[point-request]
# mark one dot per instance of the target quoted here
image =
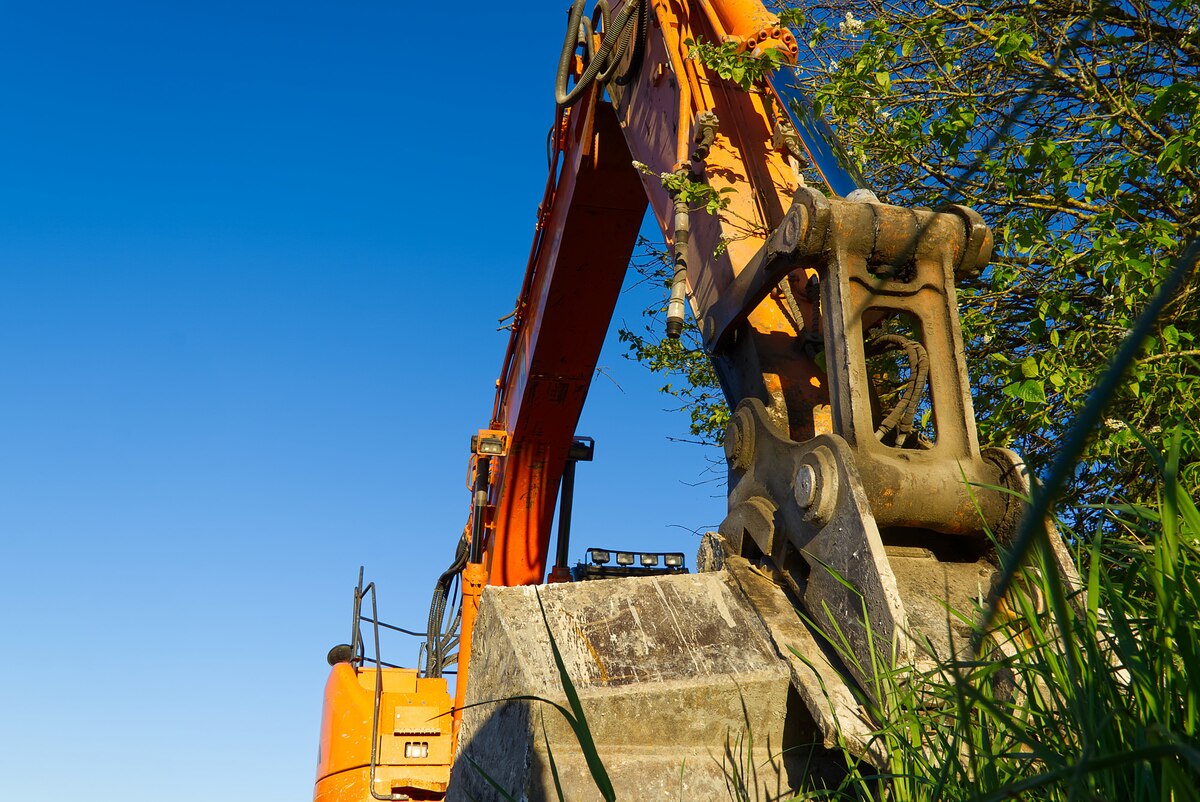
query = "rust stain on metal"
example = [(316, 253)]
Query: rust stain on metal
[(595, 654), (535, 471)]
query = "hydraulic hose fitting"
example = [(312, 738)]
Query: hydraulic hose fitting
[(677, 304), (704, 133)]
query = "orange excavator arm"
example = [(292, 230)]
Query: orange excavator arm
[(585, 236), (673, 117)]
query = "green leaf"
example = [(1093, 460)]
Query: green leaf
[(1030, 390), (1029, 367)]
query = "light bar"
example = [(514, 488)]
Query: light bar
[(628, 564)]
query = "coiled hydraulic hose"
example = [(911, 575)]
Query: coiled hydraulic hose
[(603, 61), (899, 423), (639, 45), (436, 643)]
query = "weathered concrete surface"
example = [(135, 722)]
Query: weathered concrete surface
[(679, 677)]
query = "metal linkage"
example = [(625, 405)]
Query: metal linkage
[(877, 532)]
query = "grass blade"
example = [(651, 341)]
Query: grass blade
[(578, 720)]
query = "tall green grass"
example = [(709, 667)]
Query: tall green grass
[(1094, 698)]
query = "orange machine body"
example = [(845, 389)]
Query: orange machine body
[(414, 748)]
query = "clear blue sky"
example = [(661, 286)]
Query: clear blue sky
[(251, 259)]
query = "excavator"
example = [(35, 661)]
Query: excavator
[(856, 482)]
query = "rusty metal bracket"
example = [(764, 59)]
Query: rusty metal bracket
[(879, 541), (704, 132), (803, 505)]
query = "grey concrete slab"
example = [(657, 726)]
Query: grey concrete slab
[(683, 685)]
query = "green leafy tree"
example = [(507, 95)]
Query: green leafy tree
[(692, 382), (1071, 126)]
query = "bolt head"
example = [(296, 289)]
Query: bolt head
[(804, 486), (739, 441)]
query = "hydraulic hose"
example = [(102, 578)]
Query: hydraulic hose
[(639, 45), (626, 31), (603, 62), (437, 612), (900, 419)]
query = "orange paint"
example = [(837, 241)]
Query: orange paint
[(474, 577), (415, 749)]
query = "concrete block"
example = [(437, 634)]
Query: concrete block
[(678, 676)]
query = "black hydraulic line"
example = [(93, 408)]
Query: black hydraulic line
[(614, 61), (602, 62), (900, 419), (789, 297), (479, 502), (639, 46), (601, 16), (434, 639)]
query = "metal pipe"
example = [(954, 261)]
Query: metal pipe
[(479, 507), (677, 305), (714, 20), (564, 517)]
